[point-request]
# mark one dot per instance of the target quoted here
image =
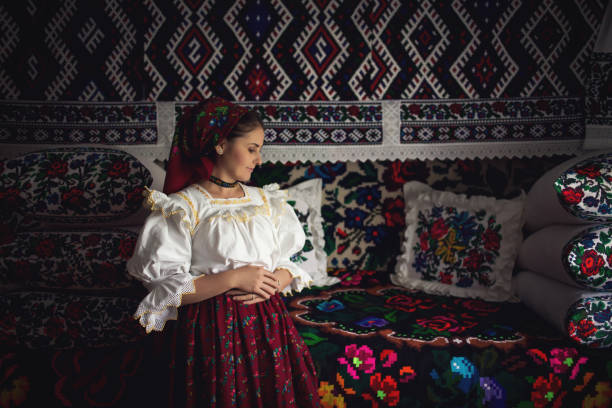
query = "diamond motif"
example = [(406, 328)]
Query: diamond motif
[(547, 34), (546, 79), (194, 50), (486, 13), (309, 50), (258, 19), (425, 37), (258, 80), (483, 69), (321, 49), (257, 30)]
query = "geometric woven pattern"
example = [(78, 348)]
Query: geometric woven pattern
[(288, 50), (357, 123), (313, 50), (71, 50), (320, 130), (491, 120), (77, 122)]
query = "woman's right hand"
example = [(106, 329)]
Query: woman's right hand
[(255, 279)]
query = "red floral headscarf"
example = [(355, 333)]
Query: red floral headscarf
[(199, 130)]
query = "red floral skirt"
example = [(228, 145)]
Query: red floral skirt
[(222, 353)]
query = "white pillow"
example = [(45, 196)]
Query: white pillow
[(459, 245), (305, 198)]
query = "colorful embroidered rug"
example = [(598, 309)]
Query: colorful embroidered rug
[(379, 345)]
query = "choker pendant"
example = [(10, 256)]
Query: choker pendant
[(222, 183)]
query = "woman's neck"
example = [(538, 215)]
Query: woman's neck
[(217, 191)]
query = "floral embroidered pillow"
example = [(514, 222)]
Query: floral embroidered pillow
[(79, 186), (577, 255), (585, 189), (305, 198), (588, 258), (458, 245), (589, 321)]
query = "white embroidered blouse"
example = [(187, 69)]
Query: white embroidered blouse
[(190, 233)]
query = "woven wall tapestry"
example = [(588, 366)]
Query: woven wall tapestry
[(295, 50), (405, 79)]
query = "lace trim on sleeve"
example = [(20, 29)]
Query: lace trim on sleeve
[(158, 201), (155, 319), (297, 284)]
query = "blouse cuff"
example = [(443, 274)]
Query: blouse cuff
[(163, 300), (301, 279)]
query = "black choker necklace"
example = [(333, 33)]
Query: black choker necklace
[(222, 183)]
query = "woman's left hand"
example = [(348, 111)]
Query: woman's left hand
[(247, 298)]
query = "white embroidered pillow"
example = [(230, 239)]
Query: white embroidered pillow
[(458, 245), (305, 198)]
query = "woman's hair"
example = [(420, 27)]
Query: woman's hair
[(248, 122)]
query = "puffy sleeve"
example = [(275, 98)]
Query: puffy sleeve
[(291, 237), (162, 258)]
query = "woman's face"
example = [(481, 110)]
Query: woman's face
[(241, 155)]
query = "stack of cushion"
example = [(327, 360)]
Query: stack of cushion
[(62, 266), (566, 262)]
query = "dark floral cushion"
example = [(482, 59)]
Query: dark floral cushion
[(41, 320), (588, 258), (68, 259), (74, 185), (589, 321), (585, 189)]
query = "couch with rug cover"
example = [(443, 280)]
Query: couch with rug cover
[(71, 216)]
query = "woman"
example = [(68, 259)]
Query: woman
[(214, 254)]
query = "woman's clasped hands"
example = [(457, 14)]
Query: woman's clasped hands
[(253, 284)]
